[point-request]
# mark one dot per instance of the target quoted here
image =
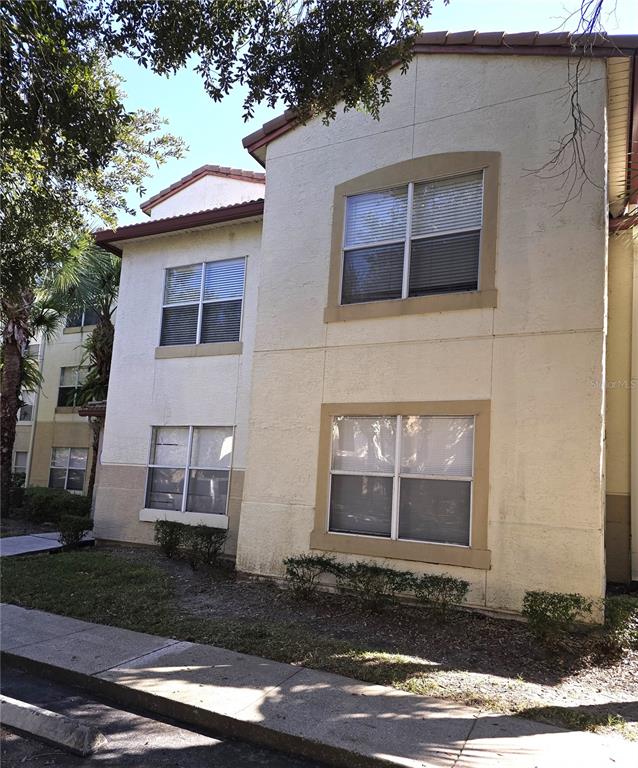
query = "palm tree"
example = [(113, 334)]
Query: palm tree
[(92, 281), (24, 315)]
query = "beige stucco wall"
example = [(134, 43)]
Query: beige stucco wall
[(208, 192), (623, 251), (536, 357), (145, 391), (55, 427)]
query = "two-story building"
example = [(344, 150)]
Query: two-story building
[(419, 348)]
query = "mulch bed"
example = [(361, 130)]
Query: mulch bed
[(496, 658)]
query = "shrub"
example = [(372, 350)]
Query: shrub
[(303, 573), (202, 544), (49, 504), (372, 586), (551, 614), (621, 623), (439, 592), (169, 536), (73, 528)]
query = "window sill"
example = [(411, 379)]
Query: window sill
[(370, 546), (79, 329), (440, 302), (66, 409), (199, 350), (189, 518)]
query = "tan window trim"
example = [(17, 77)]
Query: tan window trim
[(199, 350), (475, 556), (419, 169), (79, 329), (67, 409)]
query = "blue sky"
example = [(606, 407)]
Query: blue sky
[(213, 132)]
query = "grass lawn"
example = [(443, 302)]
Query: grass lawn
[(493, 663)]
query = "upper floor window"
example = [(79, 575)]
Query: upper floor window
[(189, 469), (81, 318), (26, 411), (71, 379), (203, 303), (417, 239)]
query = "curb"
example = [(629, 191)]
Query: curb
[(211, 723), (62, 731)]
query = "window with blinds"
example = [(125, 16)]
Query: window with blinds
[(419, 239), (189, 469), (203, 303), (402, 477)]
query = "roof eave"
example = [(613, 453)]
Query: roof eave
[(227, 215)]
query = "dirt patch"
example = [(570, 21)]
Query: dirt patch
[(469, 656)]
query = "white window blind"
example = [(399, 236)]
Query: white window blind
[(68, 468), (422, 238), (203, 303), (403, 477), (189, 469)]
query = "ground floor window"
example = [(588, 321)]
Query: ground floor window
[(189, 469), (20, 466), (68, 468), (402, 477)]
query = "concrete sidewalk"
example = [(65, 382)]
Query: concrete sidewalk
[(314, 714), (32, 543)]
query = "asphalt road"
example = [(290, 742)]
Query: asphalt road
[(133, 741)]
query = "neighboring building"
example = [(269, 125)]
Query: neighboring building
[(52, 445), (430, 363)]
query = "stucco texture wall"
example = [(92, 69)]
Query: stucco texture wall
[(146, 392), (623, 250), (537, 356), (57, 427)]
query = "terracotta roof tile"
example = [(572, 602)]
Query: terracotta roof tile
[(198, 173), (224, 214)]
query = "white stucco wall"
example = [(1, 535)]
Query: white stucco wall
[(539, 356), (208, 192), (146, 392)]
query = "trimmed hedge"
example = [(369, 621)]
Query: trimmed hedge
[(73, 528), (373, 587), (44, 505), (198, 544), (550, 615)]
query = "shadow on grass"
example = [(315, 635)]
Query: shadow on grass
[(621, 716)]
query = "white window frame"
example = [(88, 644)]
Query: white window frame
[(201, 301), (26, 462), (407, 242), (82, 321), (397, 475), (32, 404), (77, 384), (69, 467), (150, 513)]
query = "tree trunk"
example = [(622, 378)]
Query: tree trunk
[(96, 427), (9, 414)]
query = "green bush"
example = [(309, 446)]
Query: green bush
[(373, 586), (169, 536), (304, 571), (73, 528), (202, 544), (551, 614), (621, 623), (439, 592), (43, 505)]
